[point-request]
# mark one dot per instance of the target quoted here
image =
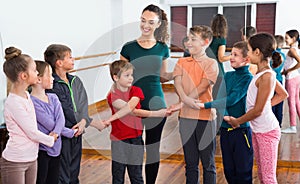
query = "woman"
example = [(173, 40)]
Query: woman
[(148, 54)]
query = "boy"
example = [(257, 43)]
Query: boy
[(73, 98), (247, 32), (127, 145), (185, 50), (236, 144), (194, 78), (277, 68)]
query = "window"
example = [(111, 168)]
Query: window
[(178, 27), (236, 20), (203, 16), (235, 14), (265, 21)]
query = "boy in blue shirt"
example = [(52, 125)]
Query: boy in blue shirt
[(236, 144)]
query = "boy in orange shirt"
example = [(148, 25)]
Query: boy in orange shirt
[(194, 78)]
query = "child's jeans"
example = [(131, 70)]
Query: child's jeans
[(128, 153), (199, 142)]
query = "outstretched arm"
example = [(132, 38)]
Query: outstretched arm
[(124, 108), (264, 85)]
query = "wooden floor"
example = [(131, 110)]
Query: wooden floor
[(96, 154), (95, 169)]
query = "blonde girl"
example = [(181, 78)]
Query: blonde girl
[(19, 158)]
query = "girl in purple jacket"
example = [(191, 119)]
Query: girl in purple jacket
[(50, 118)]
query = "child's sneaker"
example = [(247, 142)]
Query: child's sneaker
[(289, 130)]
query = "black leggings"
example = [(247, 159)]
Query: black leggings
[(153, 130)]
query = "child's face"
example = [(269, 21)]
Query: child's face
[(32, 73), (47, 79), (253, 57), (149, 22), (237, 59), (196, 44), (288, 40), (125, 80), (68, 62)]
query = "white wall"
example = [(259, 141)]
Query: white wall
[(87, 27), (90, 27), (287, 16)]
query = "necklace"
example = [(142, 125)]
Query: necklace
[(143, 40)]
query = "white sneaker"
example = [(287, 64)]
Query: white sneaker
[(289, 130)]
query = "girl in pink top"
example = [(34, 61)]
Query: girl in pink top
[(19, 158), (260, 99)]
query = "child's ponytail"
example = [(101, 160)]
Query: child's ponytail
[(276, 58)]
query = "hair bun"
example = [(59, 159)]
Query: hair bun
[(12, 52)]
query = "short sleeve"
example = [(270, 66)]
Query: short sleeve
[(222, 41), (137, 92), (125, 51), (166, 52), (113, 96), (211, 70), (178, 69)]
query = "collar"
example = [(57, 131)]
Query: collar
[(57, 78), (242, 69)]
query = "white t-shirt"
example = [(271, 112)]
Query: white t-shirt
[(267, 120)]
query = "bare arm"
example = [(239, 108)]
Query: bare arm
[(221, 54), (201, 88), (280, 94), (184, 97), (164, 75), (146, 113), (123, 58), (293, 53), (124, 108), (264, 85)]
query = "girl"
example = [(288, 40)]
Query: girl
[(292, 76), (50, 118), (218, 44), (259, 102), (217, 51), (19, 158), (148, 54)]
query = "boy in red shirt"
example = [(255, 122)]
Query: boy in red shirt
[(127, 145)]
